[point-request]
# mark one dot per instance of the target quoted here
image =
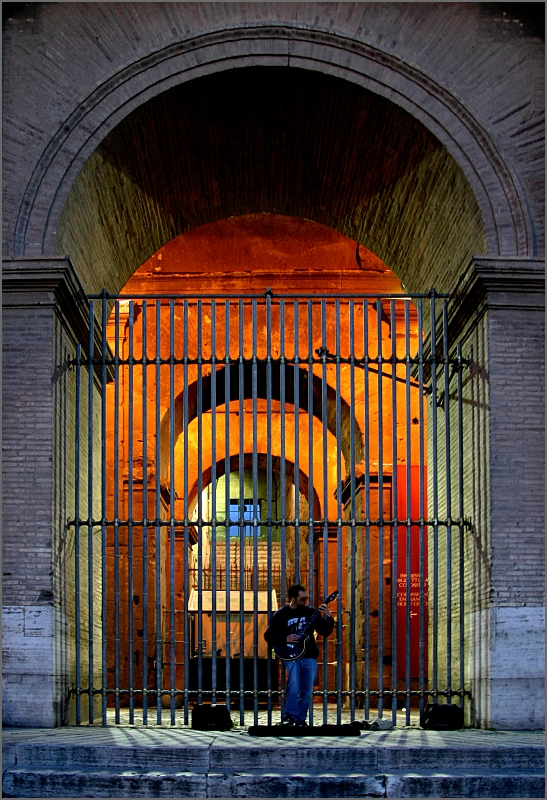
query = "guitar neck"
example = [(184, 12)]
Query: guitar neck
[(310, 624), (312, 619)]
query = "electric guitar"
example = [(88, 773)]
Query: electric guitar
[(292, 652)]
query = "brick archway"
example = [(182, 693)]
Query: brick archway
[(262, 465), (507, 222), (345, 411)]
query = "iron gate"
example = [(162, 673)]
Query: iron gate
[(226, 447)]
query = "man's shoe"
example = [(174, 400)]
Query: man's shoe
[(302, 724), (287, 720)]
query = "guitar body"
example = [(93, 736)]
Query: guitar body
[(292, 652)]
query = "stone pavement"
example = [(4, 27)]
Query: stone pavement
[(127, 761)]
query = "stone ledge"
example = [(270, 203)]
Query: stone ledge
[(21, 782), (275, 784), (45, 281), (496, 282), (97, 783), (52, 282), (184, 749), (465, 784)]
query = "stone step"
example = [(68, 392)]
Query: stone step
[(143, 758), (396, 784), (227, 753), (32, 782)]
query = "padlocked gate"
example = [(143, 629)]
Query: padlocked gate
[(229, 446)]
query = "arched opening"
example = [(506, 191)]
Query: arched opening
[(275, 140), (295, 308), (296, 432)]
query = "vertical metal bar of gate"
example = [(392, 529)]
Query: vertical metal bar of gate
[(296, 478), (213, 508), (460, 521), (200, 494), (130, 510), (433, 321), (366, 395), (395, 515), (311, 588), (186, 509), (353, 530), (241, 506), (380, 617), (227, 514), (145, 515), (103, 509), (90, 614), (325, 493), (77, 609), (283, 479), (422, 507), (339, 514), (269, 483), (448, 492), (408, 571), (157, 559), (117, 510), (256, 513), (172, 513)]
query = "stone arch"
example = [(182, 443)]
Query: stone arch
[(262, 462), (507, 221), (206, 402)]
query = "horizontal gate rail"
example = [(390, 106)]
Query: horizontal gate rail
[(228, 446), (196, 298)]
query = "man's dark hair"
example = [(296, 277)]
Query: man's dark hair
[(295, 590)]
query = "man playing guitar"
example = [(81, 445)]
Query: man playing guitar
[(283, 630)]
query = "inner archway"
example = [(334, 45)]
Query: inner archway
[(243, 334)]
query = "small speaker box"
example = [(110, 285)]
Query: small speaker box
[(208, 717), (442, 717)]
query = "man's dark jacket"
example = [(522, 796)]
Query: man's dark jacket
[(293, 620)]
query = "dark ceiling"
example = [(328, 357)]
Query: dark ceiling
[(283, 141)]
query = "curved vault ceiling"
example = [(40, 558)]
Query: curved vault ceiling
[(256, 251), (277, 140)]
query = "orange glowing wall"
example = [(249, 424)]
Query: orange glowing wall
[(237, 256)]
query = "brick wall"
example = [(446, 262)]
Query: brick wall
[(516, 367), (27, 456), (39, 479)]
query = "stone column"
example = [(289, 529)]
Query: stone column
[(499, 314), (44, 315)]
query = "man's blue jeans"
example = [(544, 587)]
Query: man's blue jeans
[(301, 675)]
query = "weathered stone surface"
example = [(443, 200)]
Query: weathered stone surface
[(184, 758), (33, 782), (229, 754), (458, 750), (96, 783), (275, 784), (461, 758), (128, 762), (486, 784)]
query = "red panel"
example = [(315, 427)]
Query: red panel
[(414, 573)]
